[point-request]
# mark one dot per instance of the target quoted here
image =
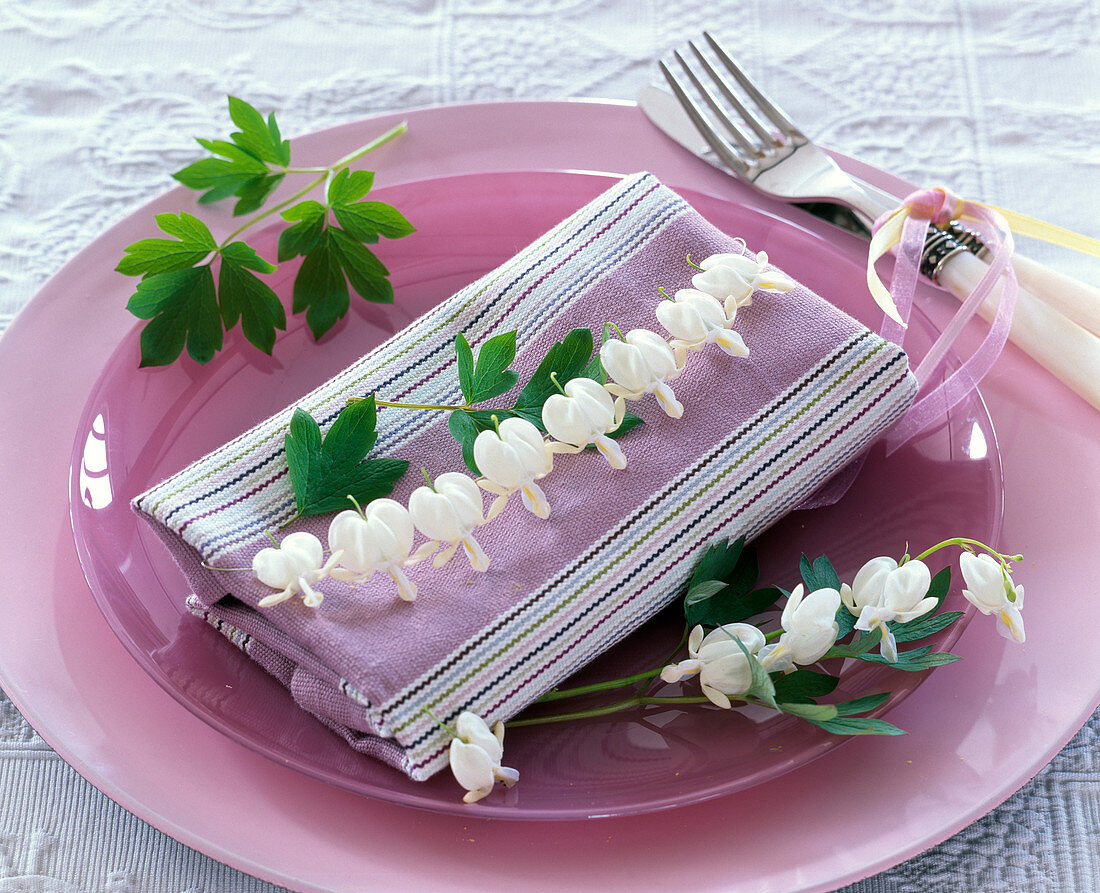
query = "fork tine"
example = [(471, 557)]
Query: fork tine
[(721, 148), (775, 114), (723, 118), (766, 137)]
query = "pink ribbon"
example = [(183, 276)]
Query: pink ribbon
[(939, 206)]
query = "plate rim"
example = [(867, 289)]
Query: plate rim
[(828, 876)]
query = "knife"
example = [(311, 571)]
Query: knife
[(1057, 317)]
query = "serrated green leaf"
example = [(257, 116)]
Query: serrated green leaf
[(818, 575), (182, 311), (566, 359), (301, 238), (803, 685), (730, 606), (320, 288), (245, 255), (192, 243), (366, 273), (845, 621), (258, 137), (243, 296), (325, 471), (490, 376), (253, 194), (862, 645), (349, 186), (924, 627), (718, 560), (464, 430), (220, 177), (939, 587)]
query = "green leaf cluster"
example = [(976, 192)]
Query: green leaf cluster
[(178, 297), (489, 376), (335, 255), (177, 293), (326, 471), (722, 590), (249, 165)]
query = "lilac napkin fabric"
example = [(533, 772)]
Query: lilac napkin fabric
[(758, 435)]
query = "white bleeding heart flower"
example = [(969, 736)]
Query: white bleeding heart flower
[(584, 414), (448, 512), (722, 666), (378, 540), (295, 566), (732, 279), (513, 457), (642, 363), (991, 591), (809, 630), (475, 756), (696, 319), (883, 592)]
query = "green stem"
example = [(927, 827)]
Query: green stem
[(558, 694), (961, 541), (325, 173), (617, 707)]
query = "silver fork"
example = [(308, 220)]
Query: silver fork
[(765, 149), (1056, 316)]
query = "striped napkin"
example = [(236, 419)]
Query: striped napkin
[(758, 436)]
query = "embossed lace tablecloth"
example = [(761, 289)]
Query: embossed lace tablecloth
[(99, 99)]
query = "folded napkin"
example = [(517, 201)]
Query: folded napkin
[(758, 435)]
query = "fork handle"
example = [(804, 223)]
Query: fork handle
[(1065, 349), (1071, 297)]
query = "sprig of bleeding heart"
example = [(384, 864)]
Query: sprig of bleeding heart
[(177, 293), (824, 623), (568, 405)]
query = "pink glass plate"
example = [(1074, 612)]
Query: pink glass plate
[(142, 425), (977, 730)]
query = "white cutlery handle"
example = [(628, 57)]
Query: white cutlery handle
[(1071, 297), (1065, 349)]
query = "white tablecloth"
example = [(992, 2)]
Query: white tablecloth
[(99, 100)]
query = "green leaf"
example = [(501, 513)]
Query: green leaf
[(366, 274), (762, 686), (324, 472), (243, 296), (191, 245), (914, 660), (464, 430), (258, 137), (857, 725), (380, 218), (845, 621), (182, 310), (220, 177), (320, 288), (718, 560), (924, 627), (802, 685), (567, 359), (303, 235), (703, 590), (862, 645), (349, 186), (818, 575), (489, 376), (629, 423), (938, 588), (862, 705), (810, 711), (254, 193), (465, 361)]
